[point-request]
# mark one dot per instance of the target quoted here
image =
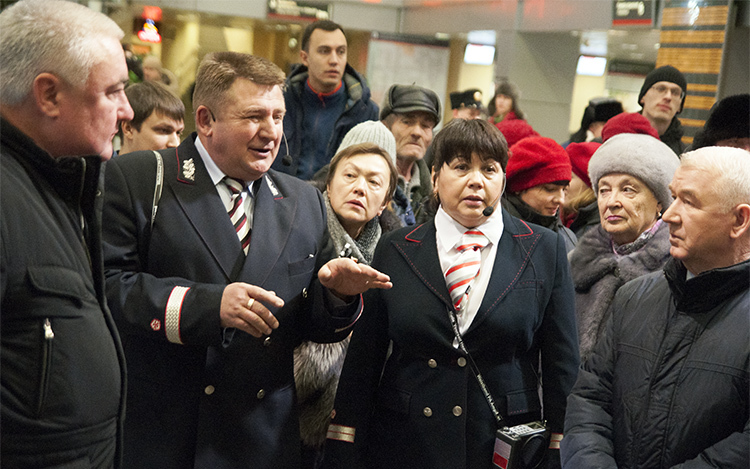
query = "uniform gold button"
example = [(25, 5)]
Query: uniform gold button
[(461, 362), (267, 342), (261, 394), (209, 390), (431, 363), (304, 293), (457, 411), (427, 412)]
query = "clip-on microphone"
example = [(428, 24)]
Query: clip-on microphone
[(490, 209), (286, 160)]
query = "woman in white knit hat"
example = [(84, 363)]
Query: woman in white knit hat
[(630, 175), (359, 184)]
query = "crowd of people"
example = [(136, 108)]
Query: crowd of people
[(311, 280)]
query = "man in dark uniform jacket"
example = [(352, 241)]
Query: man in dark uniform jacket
[(62, 370), (210, 323)]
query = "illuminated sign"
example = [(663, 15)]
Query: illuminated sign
[(149, 32), (632, 13)]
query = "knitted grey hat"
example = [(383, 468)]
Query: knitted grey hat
[(642, 156), (371, 132)]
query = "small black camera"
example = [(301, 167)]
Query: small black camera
[(521, 447)]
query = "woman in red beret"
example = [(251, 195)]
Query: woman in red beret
[(538, 174)]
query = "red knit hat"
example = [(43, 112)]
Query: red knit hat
[(534, 161), (628, 123), (514, 130), (580, 154)]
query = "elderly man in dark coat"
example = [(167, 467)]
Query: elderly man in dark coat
[(667, 386)]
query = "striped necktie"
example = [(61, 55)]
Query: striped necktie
[(236, 211), (462, 273)]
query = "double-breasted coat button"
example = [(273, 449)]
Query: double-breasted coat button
[(261, 394), (457, 411), (461, 362), (267, 342), (431, 363), (427, 412), (304, 293), (209, 390)]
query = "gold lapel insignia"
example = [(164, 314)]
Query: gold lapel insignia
[(188, 169)]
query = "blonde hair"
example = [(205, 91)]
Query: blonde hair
[(574, 204), (53, 36)]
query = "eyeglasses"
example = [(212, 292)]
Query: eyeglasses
[(674, 91)]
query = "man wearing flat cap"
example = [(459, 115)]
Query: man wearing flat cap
[(662, 97), (411, 113), (467, 104)]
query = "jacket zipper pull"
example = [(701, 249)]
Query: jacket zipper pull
[(48, 333)]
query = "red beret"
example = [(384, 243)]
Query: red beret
[(515, 129), (534, 161), (628, 123), (580, 154)]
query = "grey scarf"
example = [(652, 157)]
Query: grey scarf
[(363, 247)]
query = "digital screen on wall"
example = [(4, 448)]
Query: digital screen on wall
[(479, 54), (591, 66)]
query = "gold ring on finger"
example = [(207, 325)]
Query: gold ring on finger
[(250, 303)]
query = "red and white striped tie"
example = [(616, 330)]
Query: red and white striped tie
[(460, 276), (236, 211)]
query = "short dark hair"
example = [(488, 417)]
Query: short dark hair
[(364, 149), (149, 97), (218, 71), (461, 138), (325, 25)]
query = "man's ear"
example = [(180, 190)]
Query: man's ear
[(127, 129), (204, 120), (303, 56), (741, 222), (46, 89)]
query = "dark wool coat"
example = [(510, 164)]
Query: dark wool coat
[(668, 384), (420, 406), (62, 367), (598, 273), (204, 397)]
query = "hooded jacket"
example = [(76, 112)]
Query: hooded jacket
[(668, 384), (359, 108)]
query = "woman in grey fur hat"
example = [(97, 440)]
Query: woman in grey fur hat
[(358, 187), (630, 174)]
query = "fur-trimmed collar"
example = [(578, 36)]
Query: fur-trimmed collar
[(593, 258)]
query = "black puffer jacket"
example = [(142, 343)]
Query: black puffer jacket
[(667, 386), (62, 370)]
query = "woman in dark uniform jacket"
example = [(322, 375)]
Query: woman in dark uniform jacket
[(418, 405)]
